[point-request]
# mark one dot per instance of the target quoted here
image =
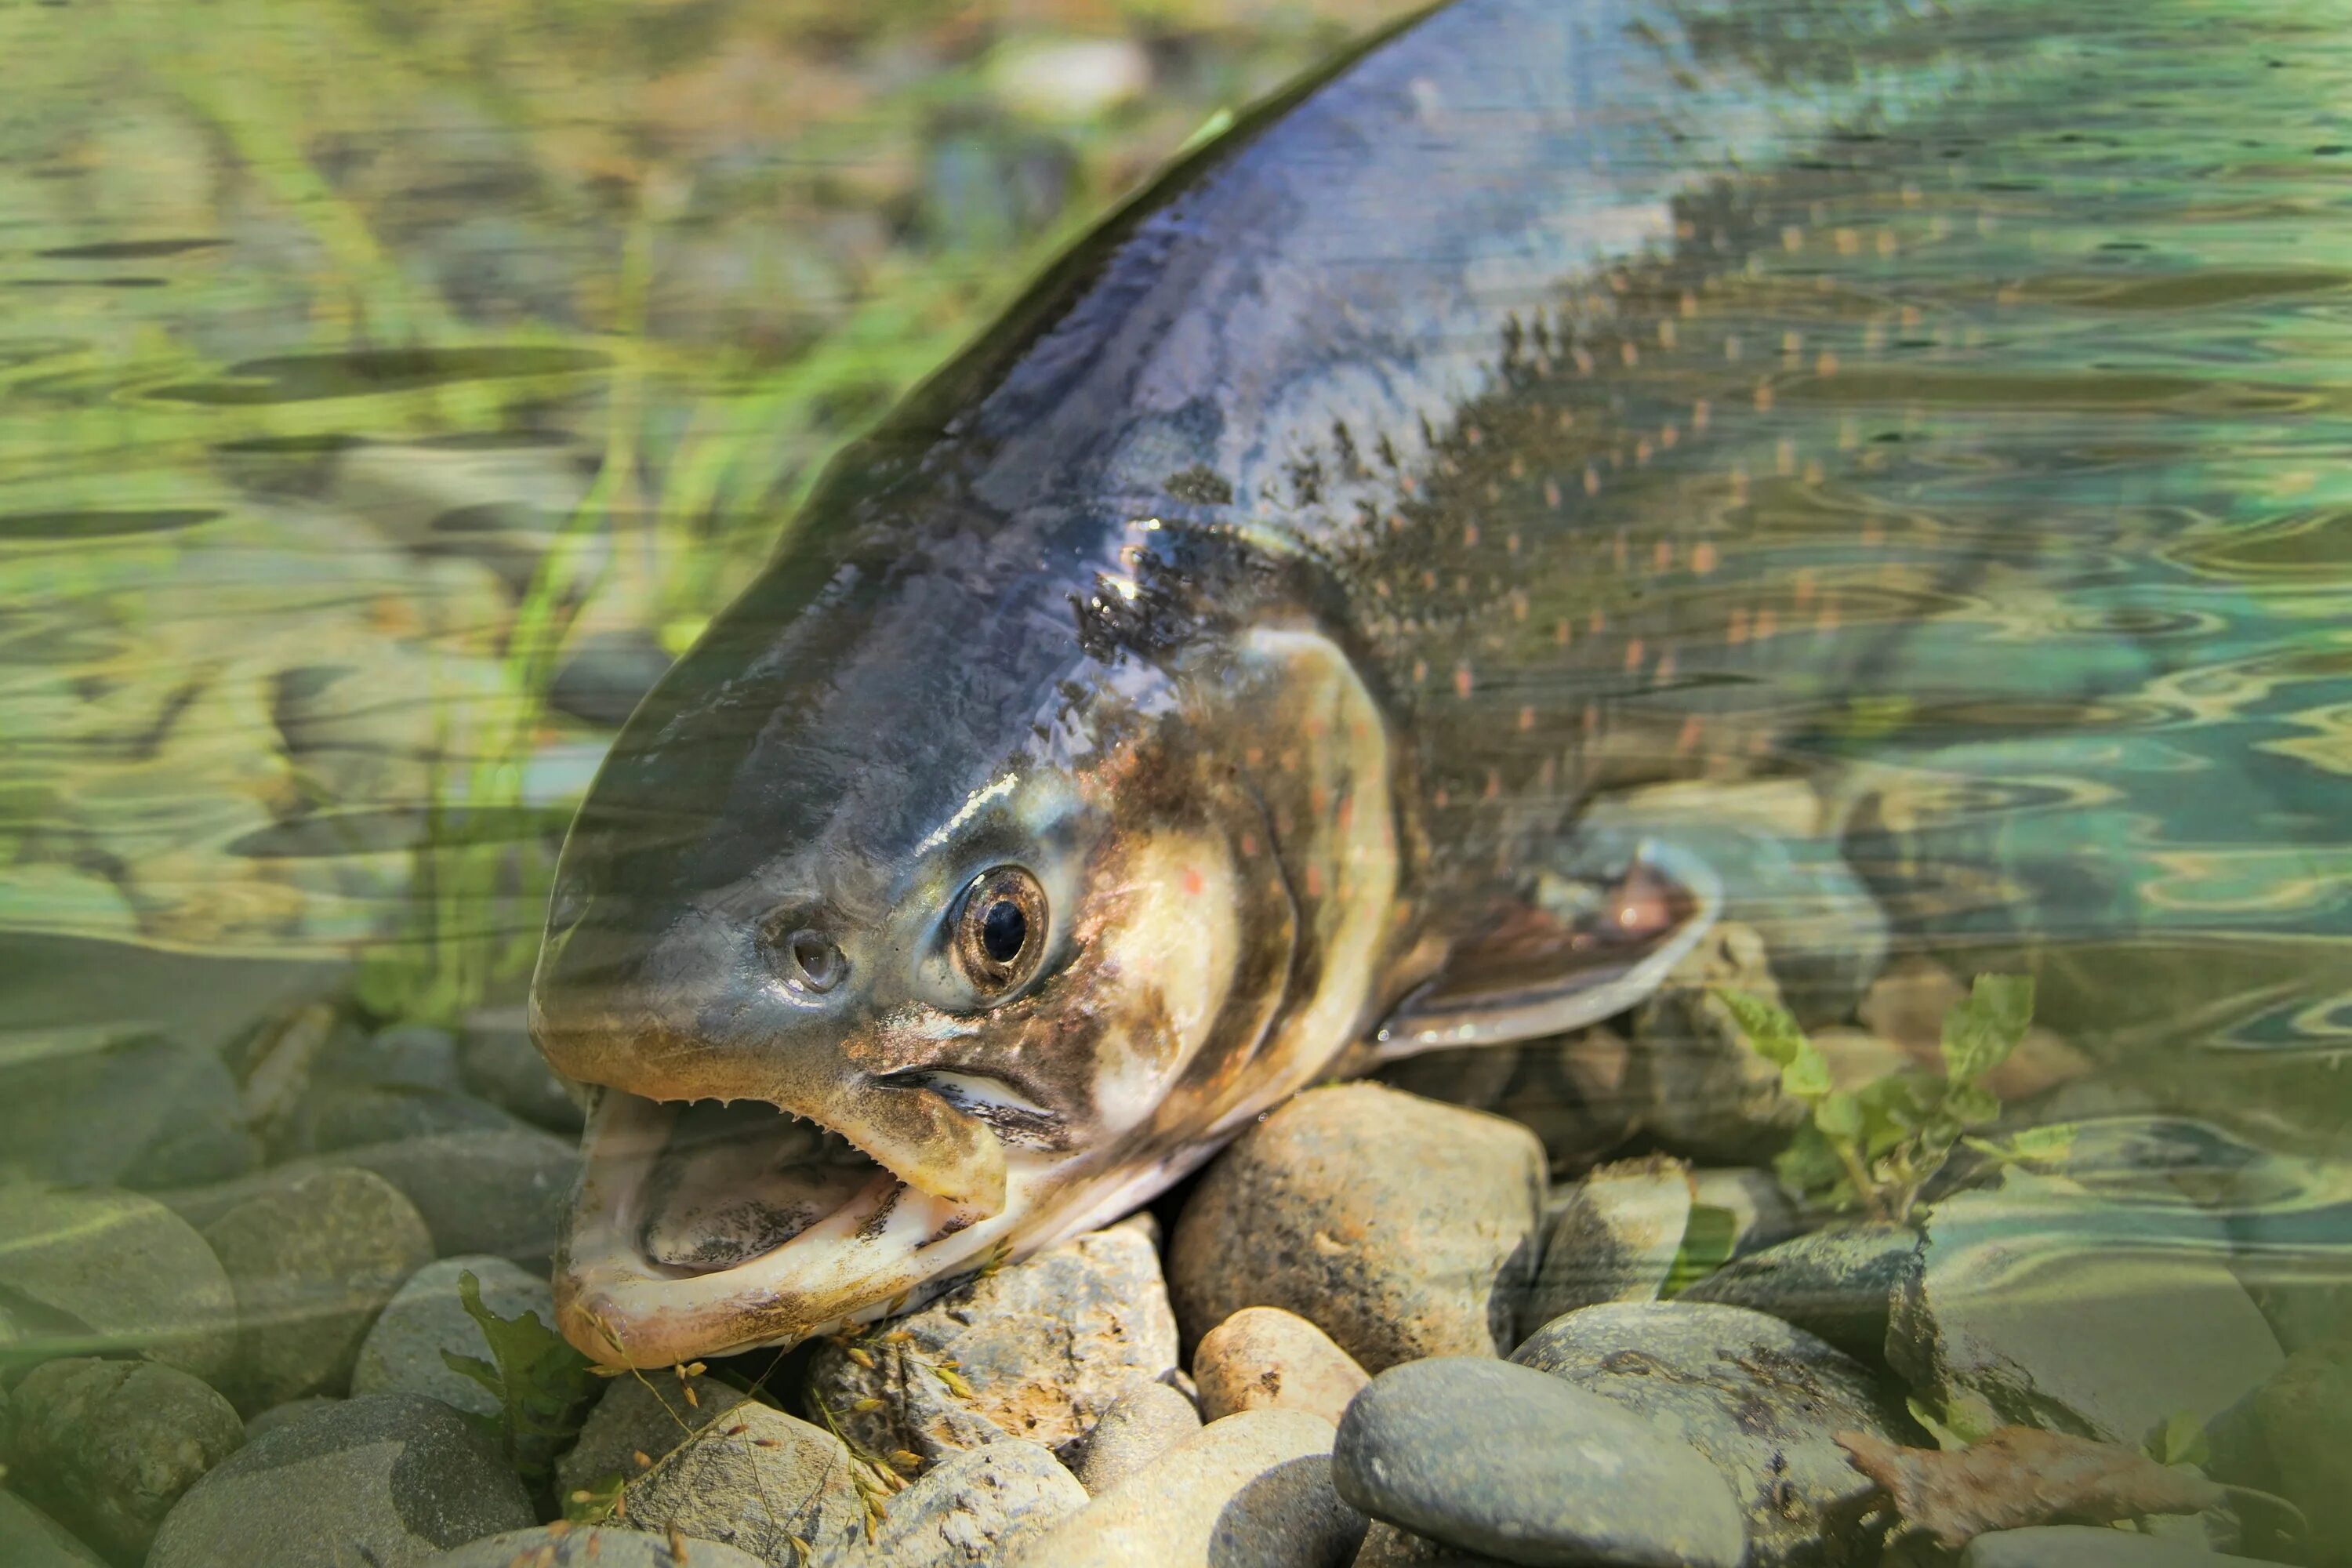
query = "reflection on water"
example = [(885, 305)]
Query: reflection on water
[(373, 430)]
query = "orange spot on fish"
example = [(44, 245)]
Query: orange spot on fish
[(1470, 536), (1314, 881), (1784, 457), (1735, 630), (1763, 397), (1596, 622), (1800, 588), (1526, 720), (1254, 756), (1700, 415), (1560, 634), (1662, 559), (1318, 799), (1551, 494), (1826, 364), (1421, 672), (1767, 623), (1642, 450), (1632, 656), (1827, 621), (1703, 557), (1591, 481), (1194, 883), (1666, 334), (1461, 680), (1665, 670), (1438, 797), (1669, 435), (1494, 785), (1249, 844), (1688, 741), (1347, 812)]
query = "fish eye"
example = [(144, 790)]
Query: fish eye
[(1000, 929)]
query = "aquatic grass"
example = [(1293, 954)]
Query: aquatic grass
[(1875, 1147)]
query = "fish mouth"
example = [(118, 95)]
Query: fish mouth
[(705, 1227)]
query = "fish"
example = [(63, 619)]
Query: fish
[(1193, 691)]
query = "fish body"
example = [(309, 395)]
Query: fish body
[(1191, 691)]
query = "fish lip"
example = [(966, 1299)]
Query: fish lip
[(620, 1306)]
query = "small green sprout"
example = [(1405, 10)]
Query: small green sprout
[(1873, 1148)]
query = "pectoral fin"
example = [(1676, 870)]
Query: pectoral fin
[(1578, 949)]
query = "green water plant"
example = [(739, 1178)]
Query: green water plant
[(1873, 1148), (542, 1384)]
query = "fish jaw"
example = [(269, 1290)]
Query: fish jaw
[(866, 1259)]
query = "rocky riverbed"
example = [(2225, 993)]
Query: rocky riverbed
[(1383, 1328)]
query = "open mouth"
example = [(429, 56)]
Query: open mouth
[(703, 1226), (735, 1182)]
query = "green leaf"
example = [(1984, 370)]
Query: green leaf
[(542, 1383), (1808, 1077), (1972, 1104), (1709, 1236), (1930, 1418), (2179, 1440), (1839, 1115), (1809, 1167), (1981, 1031), (1771, 1030)]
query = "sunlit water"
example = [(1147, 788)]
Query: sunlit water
[(2026, 433)]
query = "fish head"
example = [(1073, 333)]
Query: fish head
[(898, 935)]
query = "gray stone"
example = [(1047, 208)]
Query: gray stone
[(108, 1447), (649, 1415), (90, 1272), (335, 1115), (1253, 1491), (502, 1192), (1489, 1457), (1574, 1092), (1386, 1546), (287, 1414), (1614, 1237), (499, 1062), (2293, 1436), (1704, 1092), (2058, 1311), (1759, 1212), (758, 1483), (1400, 1226), (567, 1546), (411, 1055), (2087, 1546), (1839, 1284), (402, 1354), (975, 1507), (31, 1539), (1142, 1424), (1263, 1358), (1044, 1345), (314, 1259), (1759, 1400), (170, 1109), (390, 1480)]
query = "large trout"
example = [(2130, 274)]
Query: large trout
[(1195, 690)]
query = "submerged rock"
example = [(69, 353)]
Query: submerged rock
[(1759, 1400), (171, 1112), (496, 1060), (90, 1272), (761, 1483), (31, 1539), (389, 1480), (1839, 1284), (649, 1415), (562, 1546), (1253, 1491), (2056, 1309), (1263, 1358), (1142, 1424), (1613, 1237), (402, 1354), (2293, 1436), (1574, 1092), (2088, 1546), (978, 1506), (313, 1258), (1704, 1092), (108, 1447), (1488, 1457), (1044, 1346), (502, 1192), (1400, 1226)]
